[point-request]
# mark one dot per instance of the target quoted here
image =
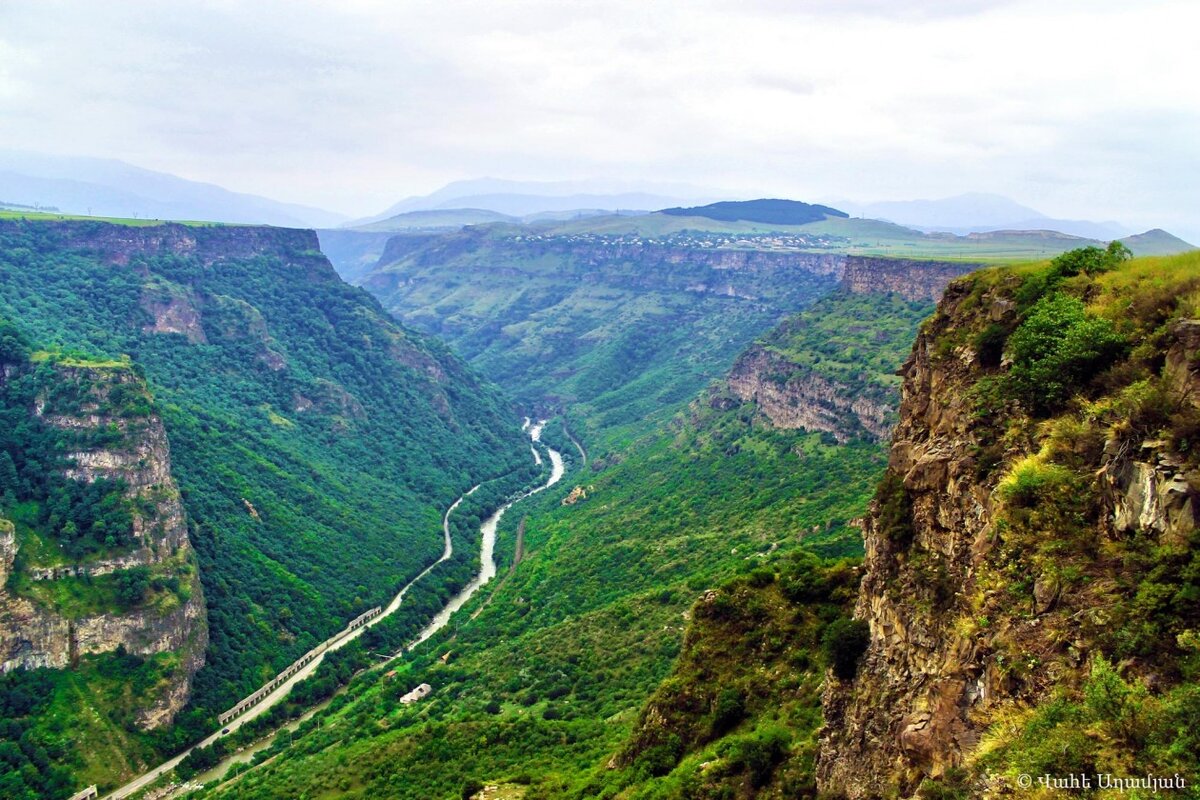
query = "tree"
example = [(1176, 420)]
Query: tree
[(132, 585), (9, 480), (14, 347), (1090, 260)]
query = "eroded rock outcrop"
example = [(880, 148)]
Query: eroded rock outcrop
[(847, 403), (801, 398), (114, 408), (1001, 552), (912, 279)]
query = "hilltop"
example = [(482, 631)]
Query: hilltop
[(771, 212)]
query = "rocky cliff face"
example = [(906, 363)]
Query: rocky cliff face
[(821, 395), (1005, 555), (209, 244), (744, 274), (910, 278), (799, 398), (133, 450), (727, 271)]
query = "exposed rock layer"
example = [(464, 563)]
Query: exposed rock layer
[(34, 635), (800, 398)]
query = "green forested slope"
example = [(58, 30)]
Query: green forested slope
[(316, 442)]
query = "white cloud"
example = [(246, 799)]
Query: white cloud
[(1079, 108)]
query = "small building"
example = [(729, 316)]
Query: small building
[(419, 693)]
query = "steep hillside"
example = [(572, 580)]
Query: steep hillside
[(553, 669), (738, 715), (832, 367), (1030, 580), (314, 442)]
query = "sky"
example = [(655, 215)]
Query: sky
[(1083, 109)]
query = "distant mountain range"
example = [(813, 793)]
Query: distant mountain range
[(550, 200), (110, 188), (526, 201), (977, 212)]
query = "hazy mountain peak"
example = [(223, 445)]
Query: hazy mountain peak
[(111, 188), (977, 212), (526, 198)]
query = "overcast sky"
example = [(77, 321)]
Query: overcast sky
[(1086, 109)]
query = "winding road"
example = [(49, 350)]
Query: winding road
[(487, 571)]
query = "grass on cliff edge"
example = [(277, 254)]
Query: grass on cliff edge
[(46, 216)]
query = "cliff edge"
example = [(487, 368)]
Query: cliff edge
[(1031, 582)]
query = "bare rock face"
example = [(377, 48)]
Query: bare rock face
[(174, 311), (908, 713), (792, 398), (909, 278), (33, 635)]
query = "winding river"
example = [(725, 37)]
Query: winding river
[(487, 571), (487, 543)]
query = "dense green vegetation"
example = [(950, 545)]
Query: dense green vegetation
[(315, 442), (573, 641), (739, 713), (855, 342), (63, 729), (75, 519), (571, 677)]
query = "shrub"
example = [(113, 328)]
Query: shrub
[(728, 710), (951, 786), (1032, 480), (763, 576), (989, 344), (132, 585), (1089, 260), (758, 754), (804, 579), (895, 510), (843, 643), (1057, 350)]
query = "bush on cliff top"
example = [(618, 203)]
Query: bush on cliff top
[(1057, 350)]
